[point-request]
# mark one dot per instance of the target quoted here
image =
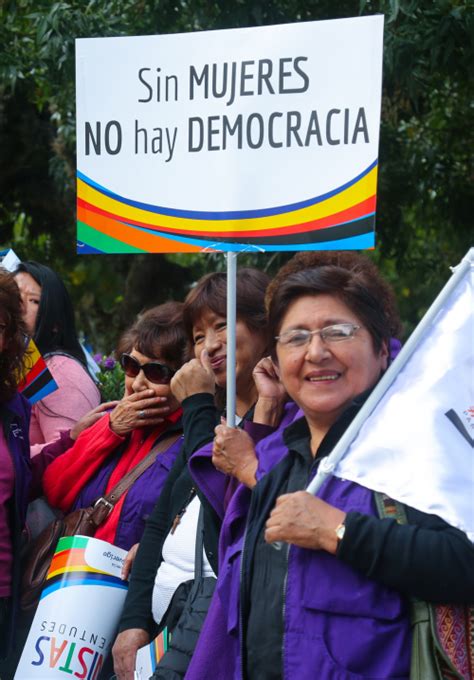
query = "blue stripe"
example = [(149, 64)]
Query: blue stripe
[(43, 392), (84, 249), (66, 583), (362, 242), (225, 215)]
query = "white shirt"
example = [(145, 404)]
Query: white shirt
[(178, 560)]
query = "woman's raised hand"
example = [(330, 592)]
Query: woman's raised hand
[(271, 393), (304, 520), (128, 562), (233, 453), (140, 409), (91, 418), (194, 377)]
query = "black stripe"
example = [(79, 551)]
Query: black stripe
[(38, 383), (459, 425), (363, 226)]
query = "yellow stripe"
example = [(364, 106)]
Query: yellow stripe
[(66, 570), (363, 189)]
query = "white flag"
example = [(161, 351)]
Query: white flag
[(417, 446)]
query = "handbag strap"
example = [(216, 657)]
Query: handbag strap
[(126, 482), (198, 556), (198, 553)]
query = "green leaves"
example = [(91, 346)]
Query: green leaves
[(425, 189)]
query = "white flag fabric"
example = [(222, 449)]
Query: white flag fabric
[(417, 446)]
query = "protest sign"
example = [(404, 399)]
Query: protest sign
[(263, 138), (78, 613)]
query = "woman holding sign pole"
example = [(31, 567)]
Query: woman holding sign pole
[(325, 584), (166, 557)]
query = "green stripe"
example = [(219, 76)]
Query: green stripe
[(102, 242), (69, 542)]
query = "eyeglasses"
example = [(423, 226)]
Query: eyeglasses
[(300, 337), (153, 370)]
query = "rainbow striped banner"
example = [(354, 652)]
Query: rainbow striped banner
[(76, 620), (70, 567), (340, 219), (149, 657)]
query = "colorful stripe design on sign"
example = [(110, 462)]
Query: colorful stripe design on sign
[(70, 568), (36, 381), (158, 647), (343, 218)]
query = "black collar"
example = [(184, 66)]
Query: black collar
[(297, 435)]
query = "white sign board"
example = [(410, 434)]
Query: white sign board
[(226, 140)]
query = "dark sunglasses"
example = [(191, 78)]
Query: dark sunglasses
[(153, 370)]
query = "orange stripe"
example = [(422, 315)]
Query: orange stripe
[(68, 558), (131, 236)]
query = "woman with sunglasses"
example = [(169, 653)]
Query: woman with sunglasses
[(148, 413)]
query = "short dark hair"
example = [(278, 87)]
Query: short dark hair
[(15, 339), (159, 330), (55, 329), (350, 277), (210, 292)]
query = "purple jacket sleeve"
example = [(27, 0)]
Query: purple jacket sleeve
[(40, 462)]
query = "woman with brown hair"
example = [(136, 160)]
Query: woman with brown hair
[(331, 599), (166, 557), (20, 476), (15, 473), (148, 413)]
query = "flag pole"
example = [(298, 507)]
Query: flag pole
[(328, 465), (231, 336)]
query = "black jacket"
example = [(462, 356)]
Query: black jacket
[(199, 420)]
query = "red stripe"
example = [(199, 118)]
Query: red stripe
[(33, 373)]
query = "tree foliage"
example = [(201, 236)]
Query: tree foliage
[(425, 185)]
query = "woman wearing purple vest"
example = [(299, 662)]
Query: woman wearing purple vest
[(332, 603), (20, 476), (104, 453)]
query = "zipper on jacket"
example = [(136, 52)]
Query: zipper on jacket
[(180, 514), (241, 621), (283, 611)]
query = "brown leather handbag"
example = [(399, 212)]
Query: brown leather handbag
[(84, 522)]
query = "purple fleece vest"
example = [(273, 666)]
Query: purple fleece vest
[(140, 499), (339, 625), (337, 620)]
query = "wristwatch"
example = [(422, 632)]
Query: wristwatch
[(340, 530)]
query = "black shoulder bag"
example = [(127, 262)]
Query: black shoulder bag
[(185, 616)]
